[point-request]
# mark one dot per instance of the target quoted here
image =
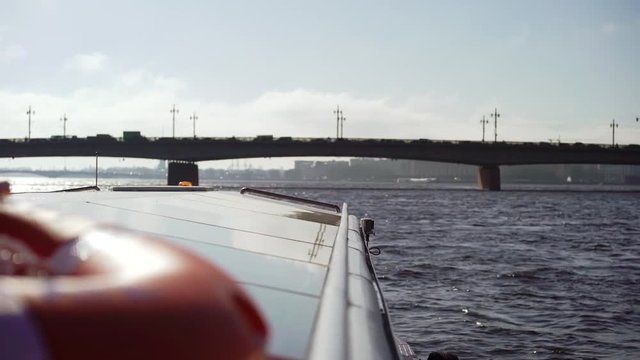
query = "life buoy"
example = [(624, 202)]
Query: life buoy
[(74, 290)]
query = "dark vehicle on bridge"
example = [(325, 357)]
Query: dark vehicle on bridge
[(102, 138), (133, 136), (263, 138), (321, 140)]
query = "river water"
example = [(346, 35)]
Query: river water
[(525, 273), (516, 274)]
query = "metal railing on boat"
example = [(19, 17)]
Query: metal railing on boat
[(272, 195)]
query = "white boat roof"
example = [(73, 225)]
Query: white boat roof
[(292, 259)]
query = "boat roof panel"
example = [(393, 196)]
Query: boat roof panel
[(269, 206), (244, 235), (249, 268), (280, 252), (231, 218), (163, 226), (290, 318)]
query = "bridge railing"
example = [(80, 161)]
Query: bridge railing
[(104, 138)]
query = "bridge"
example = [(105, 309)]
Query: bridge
[(184, 153)]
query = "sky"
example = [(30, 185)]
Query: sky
[(560, 70)]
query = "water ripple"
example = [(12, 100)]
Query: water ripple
[(502, 275), (509, 275)]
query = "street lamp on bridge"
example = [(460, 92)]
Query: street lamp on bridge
[(173, 112), (29, 113), (342, 120), (495, 117), (338, 113), (193, 118), (613, 127), (64, 120), (484, 121)]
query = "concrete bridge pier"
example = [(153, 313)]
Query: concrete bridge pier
[(182, 171), (489, 178)]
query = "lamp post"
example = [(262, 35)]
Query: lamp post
[(342, 120), (173, 112), (495, 117), (29, 113), (193, 118), (613, 126), (338, 113), (484, 121), (64, 120)]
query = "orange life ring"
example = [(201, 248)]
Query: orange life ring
[(106, 293)]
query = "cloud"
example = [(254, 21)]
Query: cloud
[(145, 105), (9, 52), (12, 53), (87, 62), (140, 100), (521, 37), (308, 113), (609, 28)]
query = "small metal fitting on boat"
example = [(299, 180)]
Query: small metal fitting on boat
[(367, 226)]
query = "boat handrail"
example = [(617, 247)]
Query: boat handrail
[(272, 195), (330, 333)]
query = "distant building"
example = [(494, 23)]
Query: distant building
[(162, 165), (392, 170)]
